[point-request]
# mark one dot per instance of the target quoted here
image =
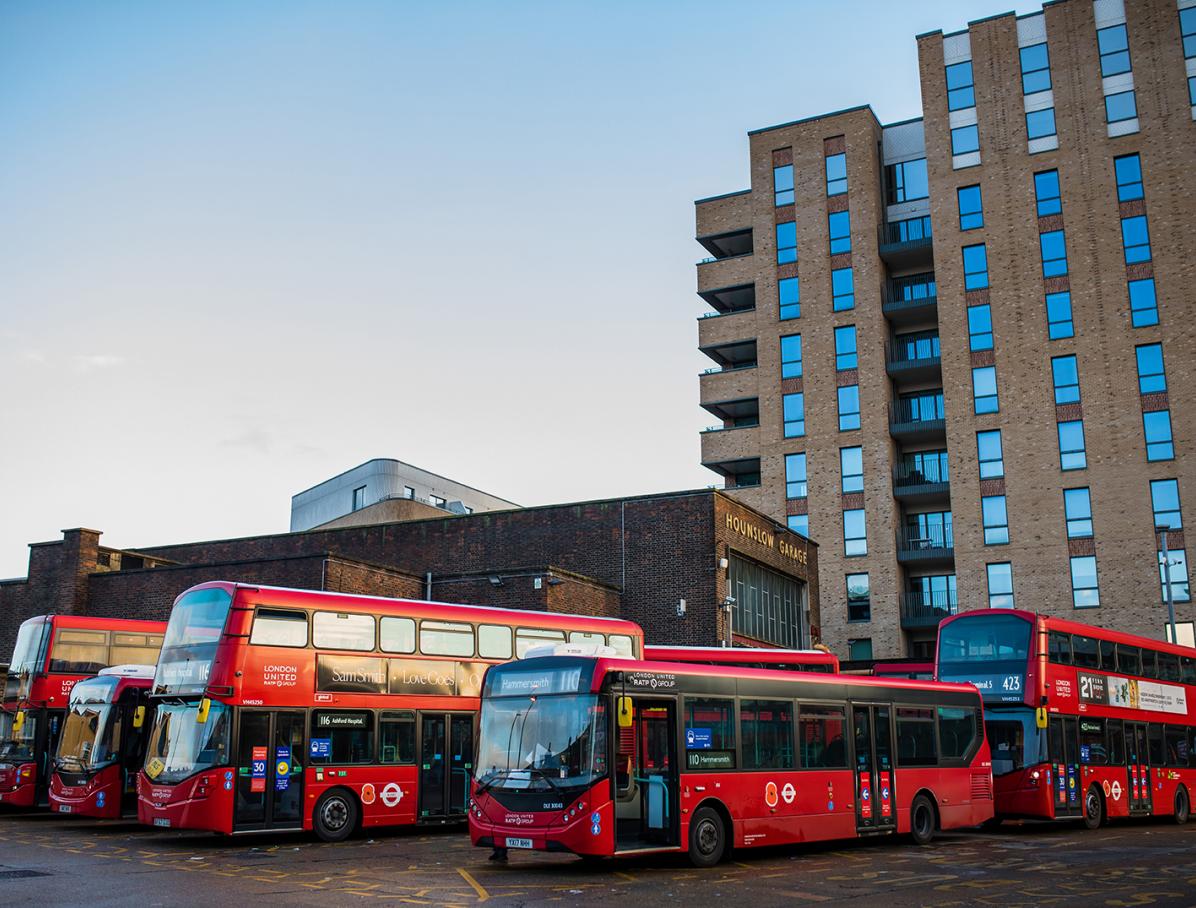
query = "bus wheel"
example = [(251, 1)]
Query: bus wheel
[(1094, 808), (1182, 808), (707, 838), (921, 820), (335, 816)]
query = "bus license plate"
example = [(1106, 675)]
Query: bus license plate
[(64, 808), (519, 843), (162, 821)]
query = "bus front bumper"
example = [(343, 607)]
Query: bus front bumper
[(18, 785), (100, 796), (204, 801)]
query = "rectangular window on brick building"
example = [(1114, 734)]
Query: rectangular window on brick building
[(988, 450), (1121, 106), (359, 498), (845, 348), (795, 475), (1187, 29), (984, 389), (1144, 306), (961, 93), (860, 649), (996, 519), (836, 174), (1164, 502), (799, 523), (906, 182), (1077, 509), (842, 289), (855, 532), (859, 598), (1054, 253), (1072, 452), (788, 298), (1128, 171), (1046, 193), (1036, 68), (971, 207), (965, 139), (1159, 443), (975, 267), (1040, 123), (794, 406), (851, 469), (1059, 324), (782, 185), (1114, 46), (1151, 377), (1135, 239), (839, 227), (791, 356), (1084, 589), (1000, 584), (1177, 561), (1066, 375), (786, 242), (849, 408), (980, 327)]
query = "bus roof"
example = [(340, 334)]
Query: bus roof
[(98, 623), (1063, 625), (350, 602)]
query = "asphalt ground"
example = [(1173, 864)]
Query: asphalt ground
[(52, 860)]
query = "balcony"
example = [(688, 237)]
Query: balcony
[(918, 419), (925, 546), (731, 356), (742, 473), (727, 245), (725, 300), (743, 413), (923, 483), (913, 298), (906, 244), (922, 610), (914, 357)]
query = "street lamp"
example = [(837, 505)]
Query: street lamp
[(727, 605), (1167, 582)]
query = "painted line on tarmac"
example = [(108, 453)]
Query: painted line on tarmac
[(483, 895)]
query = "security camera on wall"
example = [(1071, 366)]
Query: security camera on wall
[(681, 609)]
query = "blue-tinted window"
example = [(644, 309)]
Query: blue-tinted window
[(836, 174), (1151, 377), (855, 532), (1144, 308), (1040, 123), (1036, 71), (799, 523), (920, 406), (996, 519), (1128, 170), (851, 469), (1066, 374), (782, 185), (1192, 88), (971, 208), (1054, 253), (795, 475), (965, 139), (1135, 237), (984, 389), (1000, 585), (839, 224), (975, 267), (916, 345), (845, 348), (1187, 28), (859, 604), (980, 327), (1046, 192), (786, 242), (1157, 426), (906, 181), (988, 449), (1181, 590), (1114, 46), (794, 406), (791, 356), (1164, 501), (849, 408), (1072, 453), (960, 91), (1121, 106), (1084, 591), (842, 289), (1077, 509), (1058, 306), (789, 298)]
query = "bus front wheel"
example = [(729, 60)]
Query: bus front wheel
[(1094, 809), (335, 816), (1182, 807), (921, 820), (707, 838)]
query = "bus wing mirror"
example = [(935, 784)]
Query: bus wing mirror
[(625, 714), (18, 721), (1040, 717), (139, 717), (201, 715)]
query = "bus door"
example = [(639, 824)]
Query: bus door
[(647, 792), (445, 764), (1064, 745), (874, 779), (1137, 758), (269, 774)]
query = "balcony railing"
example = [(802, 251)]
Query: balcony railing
[(718, 370), (717, 314), (928, 479), (916, 356), (922, 416), (919, 609), (925, 544), (914, 295), (901, 242)]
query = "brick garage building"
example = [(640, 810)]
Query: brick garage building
[(636, 558), (989, 412)]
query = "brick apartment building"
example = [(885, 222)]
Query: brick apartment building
[(954, 349), (636, 558)]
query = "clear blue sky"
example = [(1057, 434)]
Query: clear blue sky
[(245, 246)]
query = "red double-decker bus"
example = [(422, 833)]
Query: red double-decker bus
[(799, 660), (102, 745), (52, 654), (601, 756), (287, 709), (1082, 721), (904, 668)]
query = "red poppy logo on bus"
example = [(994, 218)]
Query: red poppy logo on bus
[(770, 794), (369, 794)]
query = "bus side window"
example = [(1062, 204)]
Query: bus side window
[(822, 731), (623, 645), (279, 627), (1149, 668), (1129, 659), (396, 738), (1060, 648), (1177, 745), (527, 637), (1187, 669), (348, 736), (1108, 655), (957, 731), (1168, 667), (494, 641), (1092, 742), (1158, 756), (1116, 736), (915, 737), (397, 634), (1085, 652), (85, 652)]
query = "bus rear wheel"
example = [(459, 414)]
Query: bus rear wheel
[(1182, 807), (921, 820), (707, 838), (335, 816), (1094, 808)]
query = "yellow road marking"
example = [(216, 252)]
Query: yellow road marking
[(483, 895)]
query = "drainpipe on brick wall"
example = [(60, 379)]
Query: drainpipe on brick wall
[(623, 542), (428, 586), (323, 573)]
